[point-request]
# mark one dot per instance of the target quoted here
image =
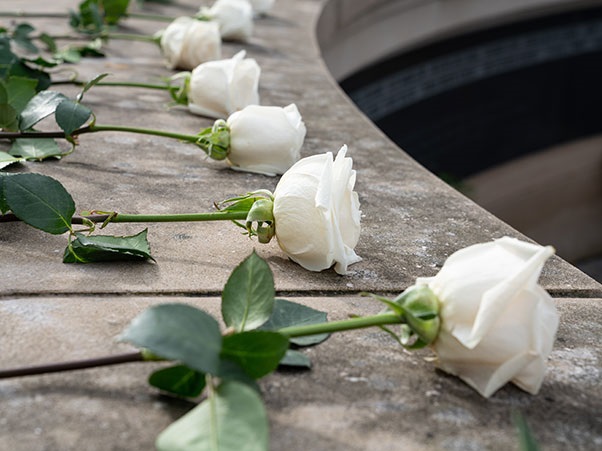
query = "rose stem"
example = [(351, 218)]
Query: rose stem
[(293, 331), (100, 128), (28, 15)]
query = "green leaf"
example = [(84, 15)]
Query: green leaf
[(114, 10), (287, 313), (35, 149), (89, 18), (21, 37), (20, 91), (3, 205), (39, 107), (178, 332), (49, 41), (41, 61), (526, 439), (257, 352), (232, 419), (104, 248), (40, 201), (89, 85), (71, 115), (12, 65), (6, 160), (179, 380), (248, 297), (8, 115), (295, 359)]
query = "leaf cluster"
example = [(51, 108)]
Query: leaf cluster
[(21, 108), (226, 365), (94, 16), (44, 203)]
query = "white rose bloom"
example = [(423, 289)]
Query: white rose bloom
[(234, 17), (316, 212), (265, 139), (188, 42), (498, 325), (261, 6), (219, 88)]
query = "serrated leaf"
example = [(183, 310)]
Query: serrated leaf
[(287, 313), (232, 419), (21, 37), (9, 118), (35, 149), (114, 10), (69, 54), (20, 91), (39, 107), (178, 332), (71, 115), (89, 85), (6, 160), (42, 62), (89, 19), (49, 41), (8, 115), (179, 380), (3, 205), (107, 248), (40, 201), (248, 297), (296, 359), (257, 352)]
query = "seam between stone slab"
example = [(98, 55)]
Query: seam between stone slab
[(555, 293)]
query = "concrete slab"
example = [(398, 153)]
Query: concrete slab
[(411, 220), (363, 392)]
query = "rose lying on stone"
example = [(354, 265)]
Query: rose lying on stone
[(316, 212), (265, 139), (188, 42), (219, 88), (497, 323), (234, 18)]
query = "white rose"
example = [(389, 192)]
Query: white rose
[(219, 88), (316, 212), (188, 42), (234, 17), (498, 325), (261, 6), (265, 139)]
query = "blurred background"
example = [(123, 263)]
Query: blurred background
[(501, 100)]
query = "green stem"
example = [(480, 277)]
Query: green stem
[(131, 84), (184, 217), (139, 356), (343, 325), (139, 218), (142, 131), (101, 128), (130, 37), (147, 16), (29, 15)]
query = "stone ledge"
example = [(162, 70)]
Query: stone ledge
[(411, 220), (364, 392)]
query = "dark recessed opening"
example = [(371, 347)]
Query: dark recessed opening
[(478, 101)]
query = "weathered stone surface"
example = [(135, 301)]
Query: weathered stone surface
[(364, 392), (411, 220)]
